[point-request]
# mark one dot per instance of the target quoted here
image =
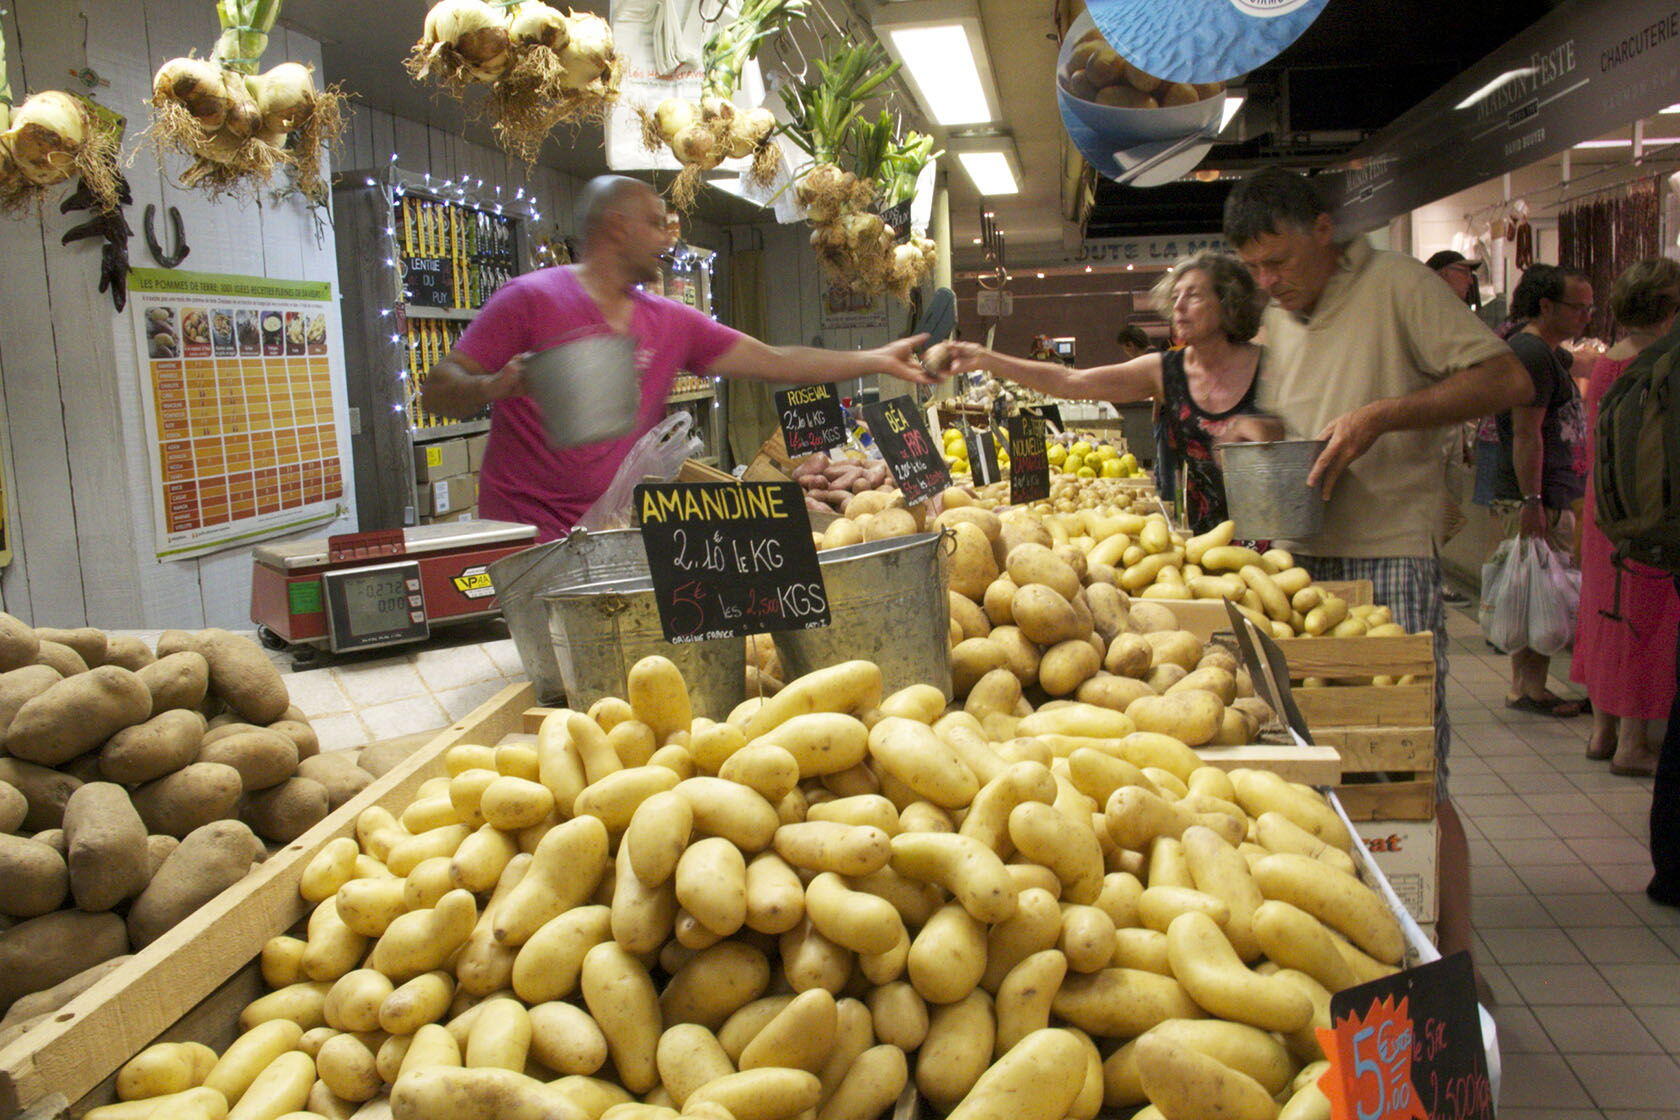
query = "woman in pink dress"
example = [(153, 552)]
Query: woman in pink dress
[(1626, 662)]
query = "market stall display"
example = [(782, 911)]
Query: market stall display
[(134, 786), (791, 864)]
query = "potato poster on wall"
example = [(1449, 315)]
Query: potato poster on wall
[(237, 376)]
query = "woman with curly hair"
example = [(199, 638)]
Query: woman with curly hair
[(1206, 389)]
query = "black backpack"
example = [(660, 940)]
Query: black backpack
[(1636, 459)]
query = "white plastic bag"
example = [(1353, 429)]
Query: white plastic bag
[(659, 455), (1501, 618), (1554, 595)]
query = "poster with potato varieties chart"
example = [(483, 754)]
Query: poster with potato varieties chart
[(237, 377)]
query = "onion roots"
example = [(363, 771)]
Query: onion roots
[(52, 137)]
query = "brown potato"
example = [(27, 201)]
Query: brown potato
[(210, 859), (45, 789), (161, 745), (127, 652), (1179, 93), (19, 645), (973, 659), (47, 1001), (37, 954), (190, 798), (243, 677), (88, 643), (1140, 79), (1044, 615), (302, 735), (284, 812), (263, 758), (1129, 655), (158, 849), (1079, 85), (77, 714), (13, 807), (1103, 66), (21, 685), (1022, 655), (35, 875), (338, 772), (61, 657), (1066, 666), (176, 680), (1106, 690), (1124, 97), (107, 845)]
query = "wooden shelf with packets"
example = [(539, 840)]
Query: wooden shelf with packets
[(418, 256)]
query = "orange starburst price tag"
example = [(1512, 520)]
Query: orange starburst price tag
[(1408, 1047), (1370, 1074)]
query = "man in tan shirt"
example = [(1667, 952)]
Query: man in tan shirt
[(1370, 352)]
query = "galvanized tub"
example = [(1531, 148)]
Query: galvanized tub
[(522, 579), (600, 630), (586, 391), (888, 603), (1266, 489)]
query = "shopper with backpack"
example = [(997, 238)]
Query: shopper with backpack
[(1629, 618)]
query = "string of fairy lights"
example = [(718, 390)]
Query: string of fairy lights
[(395, 185)]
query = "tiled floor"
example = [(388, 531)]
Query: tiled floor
[(1585, 968)]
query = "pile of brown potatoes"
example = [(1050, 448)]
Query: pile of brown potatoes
[(798, 912), (135, 785)]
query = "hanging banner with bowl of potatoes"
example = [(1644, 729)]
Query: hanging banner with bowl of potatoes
[(1129, 124)]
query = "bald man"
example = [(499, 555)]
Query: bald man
[(622, 224)]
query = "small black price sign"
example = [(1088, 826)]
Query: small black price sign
[(427, 281), (982, 456), (730, 559), (1029, 460), (1408, 1047), (1050, 413), (900, 430), (811, 419)]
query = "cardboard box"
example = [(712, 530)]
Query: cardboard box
[(1408, 853), (443, 459), (448, 495), (475, 451)]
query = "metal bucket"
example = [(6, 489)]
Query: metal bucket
[(1266, 489), (586, 391), (600, 630), (522, 579), (888, 603)]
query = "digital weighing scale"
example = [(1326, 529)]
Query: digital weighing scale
[(382, 588)]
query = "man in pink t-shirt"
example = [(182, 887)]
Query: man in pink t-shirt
[(624, 232)]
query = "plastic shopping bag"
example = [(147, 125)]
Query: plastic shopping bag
[(1501, 616), (1554, 596), (658, 455)]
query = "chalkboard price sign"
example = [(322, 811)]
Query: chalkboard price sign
[(901, 432), (428, 282), (811, 419), (1408, 1047), (730, 559), (1029, 460), (1050, 413), (982, 456)]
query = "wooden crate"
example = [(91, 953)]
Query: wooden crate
[(191, 983)]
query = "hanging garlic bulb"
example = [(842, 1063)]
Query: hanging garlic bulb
[(589, 52), (283, 97), (197, 85), (47, 133), (536, 22)]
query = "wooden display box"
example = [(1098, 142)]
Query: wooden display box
[(192, 983)]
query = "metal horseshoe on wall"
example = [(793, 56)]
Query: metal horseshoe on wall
[(174, 256)]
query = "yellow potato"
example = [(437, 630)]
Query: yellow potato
[(1037, 1079), (1184, 1082), (1229, 558), (479, 1094), (957, 1050), (713, 984), (1045, 836), (899, 1014), (1067, 665), (972, 872), (354, 1001), (800, 1036), (1335, 898), (871, 1084), (948, 956), (1122, 1002), (657, 835), (1293, 938), (1220, 870), (734, 812), (853, 687), (565, 870), (422, 1000), (1261, 791), (689, 1056), (1088, 937), (1044, 615), (1213, 974), (762, 1094), (621, 999), (912, 753), (422, 940), (711, 884), (775, 895), (303, 1004), (659, 696), (160, 1070)]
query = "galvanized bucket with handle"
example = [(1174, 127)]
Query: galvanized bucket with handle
[(522, 579), (888, 603), (1266, 489), (586, 390), (600, 630)]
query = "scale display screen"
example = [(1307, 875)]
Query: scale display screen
[(375, 606)]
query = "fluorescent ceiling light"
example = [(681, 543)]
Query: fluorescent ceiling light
[(990, 171), (1674, 108), (731, 184), (1650, 142), (1498, 83), (1233, 105), (941, 63)]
